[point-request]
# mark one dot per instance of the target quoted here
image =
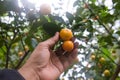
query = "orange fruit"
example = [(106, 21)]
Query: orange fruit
[(66, 34), (106, 72), (45, 9), (67, 45)]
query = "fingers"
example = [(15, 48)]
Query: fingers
[(51, 42)]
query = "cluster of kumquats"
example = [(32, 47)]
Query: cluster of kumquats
[(66, 36)]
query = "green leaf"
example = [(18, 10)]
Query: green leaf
[(1, 43), (105, 51), (70, 17), (106, 39), (76, 3), (115, 1), (118, 32), (51, 28)]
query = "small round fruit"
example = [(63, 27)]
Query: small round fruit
[(67, 45), (66, 34), (20, 54), (106, 73), (113, 51), (26, 48), (96, 18), (45, 9), (102, 60), (92, 57)]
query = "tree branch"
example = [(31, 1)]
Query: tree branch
[(107, 56), (92, 12), (7, 56), (115, 75), (8, 50), (22, 59)]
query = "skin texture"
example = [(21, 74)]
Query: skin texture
[(47, 64)]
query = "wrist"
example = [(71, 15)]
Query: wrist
[(28, 73)]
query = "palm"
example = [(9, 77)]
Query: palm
[(52, 65)]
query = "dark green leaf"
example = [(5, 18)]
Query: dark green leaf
[(70, 17), (118, 32), (51, 28)]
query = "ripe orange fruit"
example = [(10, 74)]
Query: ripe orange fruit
[(66, 34), (106, 73), (67, 45), (45, 9)]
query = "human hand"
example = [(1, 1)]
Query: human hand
[(44, 64)]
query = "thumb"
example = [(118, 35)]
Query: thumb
[(51, 41)]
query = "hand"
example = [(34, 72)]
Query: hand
[(44, 64)]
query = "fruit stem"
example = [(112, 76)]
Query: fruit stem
[(64, 52)]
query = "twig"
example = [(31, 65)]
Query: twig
[(116, 71), (7, 56), (108, 57), (22, 59), (97, 19), (7, 52), (8, 49)]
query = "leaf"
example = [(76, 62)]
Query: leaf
[(1, 43), (37, 24), (78, 26), (106, 39), (70, 17), (115, 1), (118, 32), (78, 18), (105, 51), (76, 3), (56, 18), (51, 28)]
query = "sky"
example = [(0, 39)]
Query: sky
[(65, 4)]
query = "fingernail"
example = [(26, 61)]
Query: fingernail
[(74, 55), (76, 44)]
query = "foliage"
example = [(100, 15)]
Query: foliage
[(94, 24)]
